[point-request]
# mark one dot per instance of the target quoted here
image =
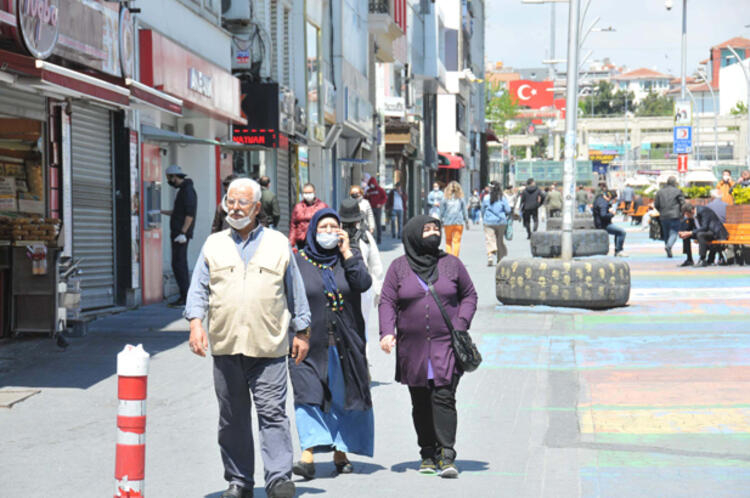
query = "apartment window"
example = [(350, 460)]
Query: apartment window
[(451, 49), (312, 47), (460, 116), (274, 39)]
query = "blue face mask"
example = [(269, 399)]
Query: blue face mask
[(327, 240)]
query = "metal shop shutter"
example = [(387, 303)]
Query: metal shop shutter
[(22, 104), (93, 204), (282, 188)]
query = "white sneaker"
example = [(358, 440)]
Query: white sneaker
[(621, 255)]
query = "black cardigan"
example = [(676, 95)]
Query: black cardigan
[(310, 378)]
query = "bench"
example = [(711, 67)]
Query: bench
[(739, 234), (639, 214)]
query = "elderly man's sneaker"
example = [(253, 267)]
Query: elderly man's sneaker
[(621, 254), (283, 489), (447, 469), (428, 466), (237, 491)]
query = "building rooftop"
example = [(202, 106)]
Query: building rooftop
[(642, 74), (736, 42)]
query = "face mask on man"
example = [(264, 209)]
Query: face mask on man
[(355, 196), (726, 178), (308, 197), (238, 223), (172, 182), (327, 240)]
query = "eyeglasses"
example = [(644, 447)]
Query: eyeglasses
[(242, 202)]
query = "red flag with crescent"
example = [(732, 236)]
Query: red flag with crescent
[(532, 94)]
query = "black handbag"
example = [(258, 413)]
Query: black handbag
[(466, 352)]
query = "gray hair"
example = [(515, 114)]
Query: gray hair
[(672, 180), (715, 194), (245, 183)]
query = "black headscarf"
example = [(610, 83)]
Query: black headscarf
[(325, 257), (422, 259)]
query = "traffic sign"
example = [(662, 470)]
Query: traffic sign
[(683, 139), (683, 113), (682, 163)]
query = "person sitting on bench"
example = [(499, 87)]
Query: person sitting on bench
[(708, 227)]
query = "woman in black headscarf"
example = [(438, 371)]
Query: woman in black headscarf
[(411, 320), (333, 407)]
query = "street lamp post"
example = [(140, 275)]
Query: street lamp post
[(747, 104), (716, 116), (571, 104), (697, 148)]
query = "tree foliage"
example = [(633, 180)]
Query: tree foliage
[(739, 109), (655, 105), (500, 108)]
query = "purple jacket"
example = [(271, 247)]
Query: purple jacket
[(408, 311)]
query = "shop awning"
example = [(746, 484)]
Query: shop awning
[(61, 81), (158, 135), (704, 176), (144, 94), (450, 161)]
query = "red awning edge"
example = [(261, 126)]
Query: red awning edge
[(455, 162), (152, 96)]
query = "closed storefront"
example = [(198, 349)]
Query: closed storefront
[(93, 203)]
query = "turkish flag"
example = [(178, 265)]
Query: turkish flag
[(532, 94), (560, 105)]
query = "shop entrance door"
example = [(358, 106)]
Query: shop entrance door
[(153, 289)]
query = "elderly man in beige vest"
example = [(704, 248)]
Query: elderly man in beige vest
[(246, 283)]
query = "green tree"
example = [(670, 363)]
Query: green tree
[(739, 109), (655, 105), (605, 101), (500, 108)]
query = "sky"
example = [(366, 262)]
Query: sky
[(647, 35)]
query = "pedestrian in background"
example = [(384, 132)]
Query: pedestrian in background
[(332, 401), (411, 322), (554, 202), (377, 198), (434, 198), (708, 227), (181, 226), (744, 180), (302, 214), (356, 193), (668, 201), (582, 199), (475, 207), (248, 286), (220, 221), (397, 201), (495, 213), (454, 217), (269, 204), (531, 199), (725, 186), (604, 211)]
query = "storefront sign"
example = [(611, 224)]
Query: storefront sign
[(38, 26), (394, 106), (127, 43), (260, 106), (199, 82), (254, 136), (169, 67)]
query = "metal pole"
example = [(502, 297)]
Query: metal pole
[(550, 146), (625, 142), (571, 104), (684, 50), (716, 117), (747, 104), (696, 149)]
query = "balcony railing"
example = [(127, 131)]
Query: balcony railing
[(380, 6)]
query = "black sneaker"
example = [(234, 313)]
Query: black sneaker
[(669, 251), (236, 491), (178, 303), (687, 262), (283, 489), (447, 469), (428, 467), (302, 469)]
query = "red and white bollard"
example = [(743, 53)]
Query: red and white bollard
[(130, 457)]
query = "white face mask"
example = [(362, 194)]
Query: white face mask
[(238, 223), (327, 240), (726, 178), (308, 197)]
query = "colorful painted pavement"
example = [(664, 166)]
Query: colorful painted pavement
[(660, 389)]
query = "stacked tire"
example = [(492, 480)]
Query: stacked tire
[(580, 222), (590, 284), (585, 243)]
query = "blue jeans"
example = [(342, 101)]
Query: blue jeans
[(582, 208), (475, 215), (669, 229), (619, 234), (397, 217)]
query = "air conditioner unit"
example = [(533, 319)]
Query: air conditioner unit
[(237, 11)]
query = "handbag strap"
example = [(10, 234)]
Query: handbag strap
[(440, 306)]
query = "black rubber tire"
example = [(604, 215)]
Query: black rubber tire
[(585, 243), (580, 222), (596, 283)]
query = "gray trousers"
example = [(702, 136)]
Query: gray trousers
[(235, 377)]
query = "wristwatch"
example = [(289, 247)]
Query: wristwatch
[(304, 333)]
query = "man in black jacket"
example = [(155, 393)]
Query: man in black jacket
[(531, 199), (708, 228), (603, 214), (669, 200), (181, 225)]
